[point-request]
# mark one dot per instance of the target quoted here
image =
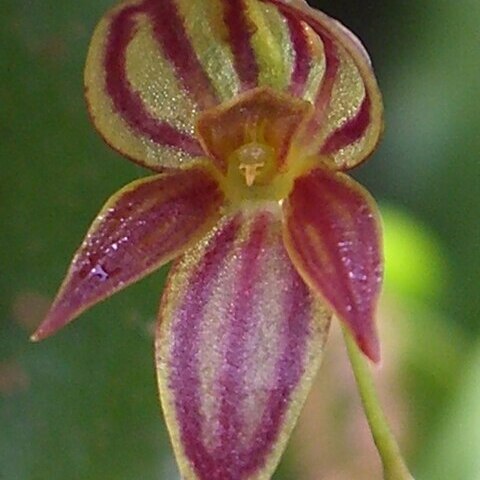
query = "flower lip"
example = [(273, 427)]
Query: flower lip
[(261, 115)]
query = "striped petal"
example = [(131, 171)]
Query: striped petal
[(238, 343), (154, 65), (139, 229), (332, 234), (140, 100), (348, 120)]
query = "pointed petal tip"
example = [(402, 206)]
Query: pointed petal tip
[(35, 337), (125, 244), (46, 329), (58, 317), (39, 335), (370, 346), (43, 330)]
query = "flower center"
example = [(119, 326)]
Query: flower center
[(250, 170), (255, 161), (250, 138)]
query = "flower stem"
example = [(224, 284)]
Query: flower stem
[(394, 467)]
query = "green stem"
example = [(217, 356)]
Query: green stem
[(394, 467)]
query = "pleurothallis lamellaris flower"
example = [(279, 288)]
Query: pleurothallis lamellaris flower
[(249, 112)]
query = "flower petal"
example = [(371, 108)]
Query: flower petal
[(348, 121), (239, 340), (139, 101), (139, 229), (332, 234)]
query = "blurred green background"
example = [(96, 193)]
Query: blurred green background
[(83, 405)]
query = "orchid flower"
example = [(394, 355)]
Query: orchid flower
[(249, 112)]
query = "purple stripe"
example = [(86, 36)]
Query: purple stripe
[(231, 459), (136, 232), (358, 265), (331, 59), (169, 30), (184, 377), (128, 103), (357, 228), (303, 58), (243, 324), (351, 131), (324, 96), (240, 31), (350, 278), (289, 369), (330, 239)]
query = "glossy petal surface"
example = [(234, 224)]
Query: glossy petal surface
[(349, 114), (239, 340), (332, 233), (140, 228)]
